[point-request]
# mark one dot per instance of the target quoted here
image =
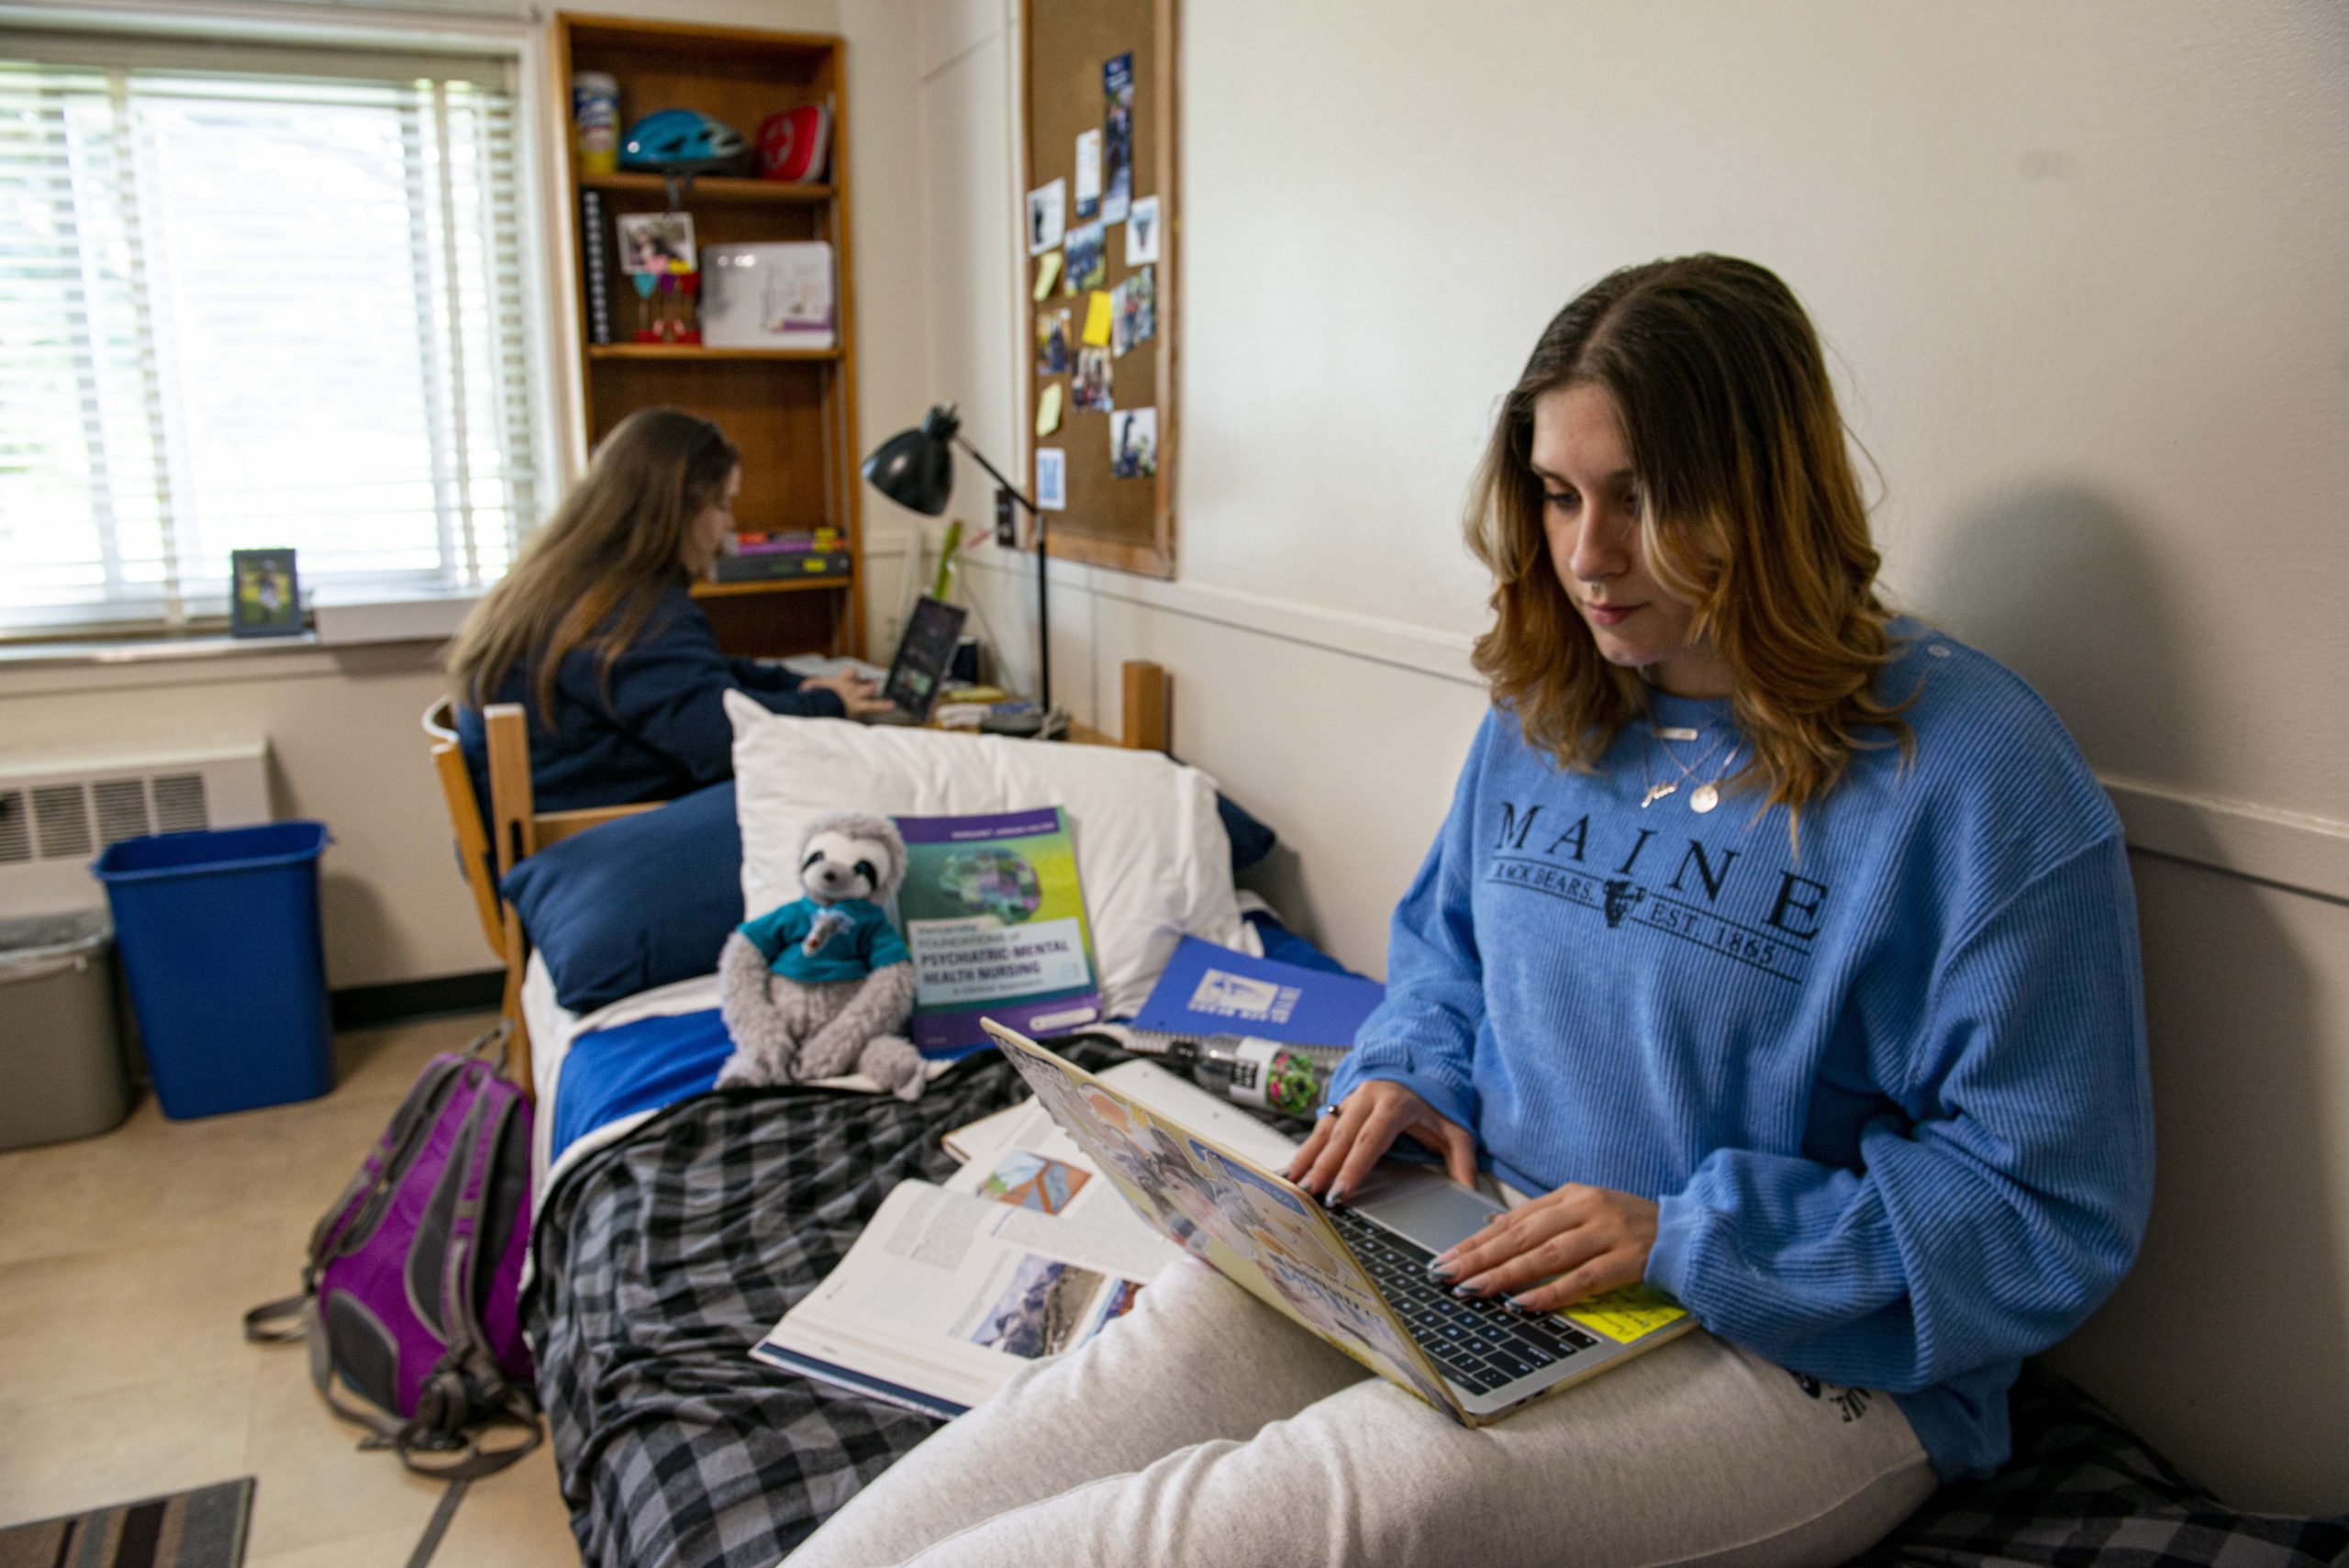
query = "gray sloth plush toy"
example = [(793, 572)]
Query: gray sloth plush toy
[(823, 986)]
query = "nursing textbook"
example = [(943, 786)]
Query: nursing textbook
[(995, 918), (1023, 1253)]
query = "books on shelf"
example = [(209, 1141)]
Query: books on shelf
[(769, 295), (1023, 1253), (596, 265), (768, 565), (800, 544)]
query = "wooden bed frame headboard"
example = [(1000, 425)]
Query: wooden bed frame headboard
[(517, 829)]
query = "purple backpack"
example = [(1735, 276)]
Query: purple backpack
[(411, 1296)]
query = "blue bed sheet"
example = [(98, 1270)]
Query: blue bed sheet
[(655, 1062), (643, 1067)]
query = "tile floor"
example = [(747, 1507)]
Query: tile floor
[(126, 1262)]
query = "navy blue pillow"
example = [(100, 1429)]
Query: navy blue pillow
[(1251, 840), (641, 902)]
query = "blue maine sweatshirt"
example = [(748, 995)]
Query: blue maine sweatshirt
[(1888, 1091)]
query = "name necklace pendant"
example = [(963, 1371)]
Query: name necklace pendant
[(1655, 791)]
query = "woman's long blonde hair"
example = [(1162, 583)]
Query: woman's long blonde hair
[(592, 574), (1749, 511)]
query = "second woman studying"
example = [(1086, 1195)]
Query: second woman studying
[(594, 633)]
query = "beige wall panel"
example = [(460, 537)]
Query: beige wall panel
[(2229, 1344)]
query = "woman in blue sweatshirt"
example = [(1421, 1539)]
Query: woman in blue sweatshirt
[(594, 632), (1777, 951)]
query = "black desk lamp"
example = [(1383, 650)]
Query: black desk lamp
[(916, 469)]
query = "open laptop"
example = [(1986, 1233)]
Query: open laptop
[(1357, 1275)]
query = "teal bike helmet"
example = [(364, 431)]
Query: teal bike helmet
[(681, 141)]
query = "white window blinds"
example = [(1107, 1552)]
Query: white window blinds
[(255, 299)]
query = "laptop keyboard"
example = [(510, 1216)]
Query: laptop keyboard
[(1480, 1345)]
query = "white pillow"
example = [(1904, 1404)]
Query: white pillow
[(1151, 850)]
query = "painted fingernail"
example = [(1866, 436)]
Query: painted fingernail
[(1338, 1198), (1439, 1270), (1464, 1291)]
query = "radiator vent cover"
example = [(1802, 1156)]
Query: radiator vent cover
[(58, 814), (179, 803), (16, 827), (62, 821)]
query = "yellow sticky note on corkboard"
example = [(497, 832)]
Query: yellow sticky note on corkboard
[(1096, 320), (1048, 410), (1631, 1312), (1048, 272)]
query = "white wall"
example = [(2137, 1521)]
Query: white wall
[(2078, 269)]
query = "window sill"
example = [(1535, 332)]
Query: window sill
[(355, 622), (157, 648)]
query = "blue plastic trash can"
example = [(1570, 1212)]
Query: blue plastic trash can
[(220, 948)]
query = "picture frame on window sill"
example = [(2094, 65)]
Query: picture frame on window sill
[(264, 593)]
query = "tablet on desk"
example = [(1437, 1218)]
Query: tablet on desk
[(924, 654)]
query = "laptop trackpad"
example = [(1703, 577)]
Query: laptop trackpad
[(1424, 1205)]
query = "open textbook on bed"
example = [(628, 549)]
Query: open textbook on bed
[(1026, 1252)]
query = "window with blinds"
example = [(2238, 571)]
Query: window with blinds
[(255, 298)]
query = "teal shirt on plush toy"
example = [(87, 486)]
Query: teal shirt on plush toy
[(865, 942)]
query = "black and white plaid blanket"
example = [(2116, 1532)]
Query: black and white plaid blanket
[(663, 1259), (2083, 1492)]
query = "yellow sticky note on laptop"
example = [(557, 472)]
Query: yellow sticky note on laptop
[(1048, 272), (1096, 320), (1048, 410), (1627, 1313)]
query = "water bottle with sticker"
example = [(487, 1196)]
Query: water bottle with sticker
[(1263, 1075)]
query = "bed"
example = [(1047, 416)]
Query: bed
[(674, 1224)]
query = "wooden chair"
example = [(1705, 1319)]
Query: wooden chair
[(465, 817), (516, 830)]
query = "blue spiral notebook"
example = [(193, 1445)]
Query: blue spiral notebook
[(1209, 990)]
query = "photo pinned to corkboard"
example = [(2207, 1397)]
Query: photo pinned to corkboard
[(1099, 103)]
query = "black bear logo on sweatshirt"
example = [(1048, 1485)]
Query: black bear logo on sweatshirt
[(1666, 883)]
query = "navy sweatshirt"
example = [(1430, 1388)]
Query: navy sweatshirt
[(1889, 1092), (664, 731)]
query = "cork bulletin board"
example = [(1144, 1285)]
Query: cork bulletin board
[(1102, 72)]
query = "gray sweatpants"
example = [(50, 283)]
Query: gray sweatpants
[(1204, 1428)]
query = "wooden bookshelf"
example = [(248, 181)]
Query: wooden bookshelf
[(791, 411), (696, 351), (777, 585), (708, 188)]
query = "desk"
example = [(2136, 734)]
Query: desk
[(1149, 710)]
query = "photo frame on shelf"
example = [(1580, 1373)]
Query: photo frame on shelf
[(264, 593), (657, 242)]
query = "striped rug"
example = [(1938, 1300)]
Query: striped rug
[(203, 1528)]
